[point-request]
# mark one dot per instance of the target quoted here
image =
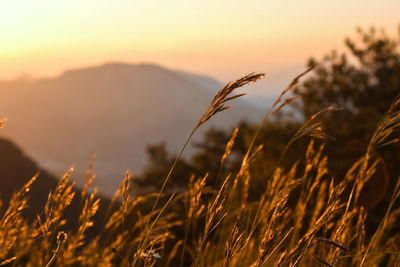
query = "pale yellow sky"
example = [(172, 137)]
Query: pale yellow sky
[(222, 38)]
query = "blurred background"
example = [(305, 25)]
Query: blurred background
[(111, 77)]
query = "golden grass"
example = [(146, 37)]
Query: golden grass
[(221, 228)]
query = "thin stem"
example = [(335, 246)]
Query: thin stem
[(53, 258)]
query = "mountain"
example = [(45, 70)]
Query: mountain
[(113, 111), (16, 169)]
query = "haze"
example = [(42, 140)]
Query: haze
[(222, 39)]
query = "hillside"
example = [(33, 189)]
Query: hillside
[(16, 169), (113, 111)]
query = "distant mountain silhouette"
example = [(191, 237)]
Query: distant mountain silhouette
[(16, 169), (113, 111)]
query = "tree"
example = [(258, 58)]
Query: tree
[(363, 81), (160, 161)]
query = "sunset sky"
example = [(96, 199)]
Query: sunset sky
[(224, 38)]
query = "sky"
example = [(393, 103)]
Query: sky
[(222, 38)]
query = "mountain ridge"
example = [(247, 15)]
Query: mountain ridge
[(114, 111)]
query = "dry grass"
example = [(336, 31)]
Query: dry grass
[(222, 228)]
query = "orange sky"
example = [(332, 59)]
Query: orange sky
[(224, 38)]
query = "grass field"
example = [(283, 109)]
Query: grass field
[(302, 219)]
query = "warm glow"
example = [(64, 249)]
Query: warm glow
[(218, 38)]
